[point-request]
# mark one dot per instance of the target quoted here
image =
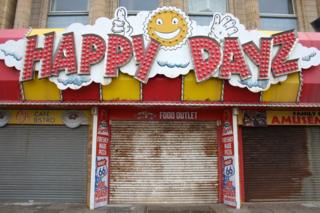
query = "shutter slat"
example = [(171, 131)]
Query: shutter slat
[(43, 163), (282, 163), (163, 162)]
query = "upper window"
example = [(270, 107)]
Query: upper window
[(134, 6), (201, 10), (277, 15), (65, 12)]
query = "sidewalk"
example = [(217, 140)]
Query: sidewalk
[(297, 207)]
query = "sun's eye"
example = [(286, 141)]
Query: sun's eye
[(174, 21), (159, 21)]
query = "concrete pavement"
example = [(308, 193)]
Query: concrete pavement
[(294, 207)]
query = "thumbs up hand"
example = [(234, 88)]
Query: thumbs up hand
[(120, 24)]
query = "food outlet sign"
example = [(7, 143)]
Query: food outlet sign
[(164, 41)]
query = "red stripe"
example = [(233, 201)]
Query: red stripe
[(161, 88), (9, 83), (87, 93), (237, 94)]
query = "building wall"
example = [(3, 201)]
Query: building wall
[(7, 13), (307, 11), (33, 13)]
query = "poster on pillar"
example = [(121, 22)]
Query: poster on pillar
[(101, 189), (228, 167)]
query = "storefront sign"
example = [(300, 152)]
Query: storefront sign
[(164, 41), (174, 115), (48, 117), (293, 117), (178, 115), (228, 168), (101, 189)]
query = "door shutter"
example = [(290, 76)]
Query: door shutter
[(281, 163), (43, 163), (311, 189), (163, 162)]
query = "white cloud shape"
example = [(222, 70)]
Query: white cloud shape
[(169, 62), (12, 53)]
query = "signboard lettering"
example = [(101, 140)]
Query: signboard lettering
[(163, 41)]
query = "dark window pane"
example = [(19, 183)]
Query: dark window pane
[(278, 24), (198, 6), (276, 6), (64, 21), (139, 4), (69, 5)]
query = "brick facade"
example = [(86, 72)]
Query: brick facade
[(7, 13), (33, 13)]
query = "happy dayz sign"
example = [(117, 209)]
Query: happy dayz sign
[(164, 41)]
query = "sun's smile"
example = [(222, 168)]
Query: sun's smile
[(169, 26), (168, 35)]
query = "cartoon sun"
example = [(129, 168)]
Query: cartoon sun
[(169, 26)]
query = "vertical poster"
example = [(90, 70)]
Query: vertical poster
[(101, 188), (228, 168)]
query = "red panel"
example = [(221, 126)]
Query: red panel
[(220, 157), (237, 94), (9, 83), (309, 39), (161, 88), (88, 93), (311, 77), (311, 85), (9, 77), (12, 34)]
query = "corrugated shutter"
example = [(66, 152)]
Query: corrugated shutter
[(282, 163), (311, 189), (43, 163), (163, 162)]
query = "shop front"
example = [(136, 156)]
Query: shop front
[(43, 155), (281, 154), (164, 156), (159, 110)]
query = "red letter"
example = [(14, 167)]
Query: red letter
[(233, 60), (119, 54), (34, 54), (204, 66), (280, 64), (65, 58), (93, 50), (275, 120), (144, 57), (261, 57)]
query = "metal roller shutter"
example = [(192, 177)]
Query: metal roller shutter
[(282, 163), (311, 189), (43, 163), (163, 162)]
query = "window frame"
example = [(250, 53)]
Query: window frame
[(135, 12), (206, 14), (291, 16), (67, 12)]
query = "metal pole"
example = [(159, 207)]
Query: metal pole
[(235, 113)]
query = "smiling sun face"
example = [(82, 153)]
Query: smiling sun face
[(170, 27)]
